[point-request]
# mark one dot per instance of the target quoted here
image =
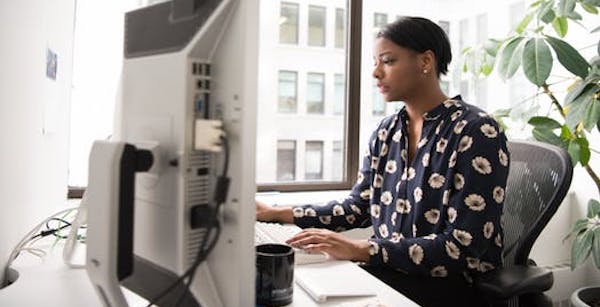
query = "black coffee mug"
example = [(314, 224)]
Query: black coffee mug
[(274, 274)]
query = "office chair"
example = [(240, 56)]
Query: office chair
[(538, 180)]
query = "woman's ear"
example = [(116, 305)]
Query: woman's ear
[(427, 61)]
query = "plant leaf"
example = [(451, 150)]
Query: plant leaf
[(510, 59), (569, 57), (579, 226), (535, 3), (592, 115), (549, 16), (585, 152), (574, 16), (565, 7), (590, 9), (544, 122), (547, 136), (574, 151), (596, 247), (502, 112), (537, 61), (596, 30), (584, 109), (582, 246), (491, 46), (546, 13), (593, 208), (575, 90), (592, 2), (524, 23), (565, 133), (560, 26)]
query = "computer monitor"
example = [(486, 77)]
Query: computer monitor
[(180, 67), (35, 92)]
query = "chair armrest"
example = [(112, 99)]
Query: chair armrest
[(504, 283)]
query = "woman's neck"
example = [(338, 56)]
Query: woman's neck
[(418, 106)]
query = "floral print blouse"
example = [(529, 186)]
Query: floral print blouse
[(440, 215)]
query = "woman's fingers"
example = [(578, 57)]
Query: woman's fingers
[(311, 239), (320, 247)]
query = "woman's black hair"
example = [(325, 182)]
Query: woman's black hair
[(420, 34)]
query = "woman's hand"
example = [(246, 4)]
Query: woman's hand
[(336, 245), (267, 213)]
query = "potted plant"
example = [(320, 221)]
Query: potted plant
[(586, 243), (534, 45)]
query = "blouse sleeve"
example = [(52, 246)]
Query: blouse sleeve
[(351, 212)]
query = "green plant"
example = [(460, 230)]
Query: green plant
[(587, 236), (534, 45)]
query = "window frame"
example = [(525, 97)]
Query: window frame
[(351, 140)]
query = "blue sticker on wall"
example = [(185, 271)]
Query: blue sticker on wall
[(51, 64)]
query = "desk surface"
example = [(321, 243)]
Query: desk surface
[(49, 282)]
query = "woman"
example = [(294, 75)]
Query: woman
[(431, 185)]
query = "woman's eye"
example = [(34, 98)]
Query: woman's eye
[(387, 61)]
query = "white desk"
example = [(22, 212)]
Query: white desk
[(49, 282)]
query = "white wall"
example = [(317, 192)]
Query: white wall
[(34, 114)]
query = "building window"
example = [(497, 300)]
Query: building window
[(463, 35), (445, 86), (300, 88), (379, 21), (481, 93), (464, 90), (288, 23), (316, 25), (340, 28), (482, 28), (286, 160), (287, 91), (315, 92), (339, 94), (445, 25), (313, 160), (378, 102), (337, 161)]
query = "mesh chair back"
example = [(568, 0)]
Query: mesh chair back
[(538, 180)]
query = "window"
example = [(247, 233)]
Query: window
[(379, 21), (481, 93), (316, 25), (311, 85), (340, 28), (315, 90), (464, 90), (482, 28), (313, 164), (445, 25), (286, 160), (339, 94), (378, 102), (337, 161), (445, 86), (288, 23), (287, 91), (463, 29)]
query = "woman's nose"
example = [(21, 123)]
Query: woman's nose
[(376, 72)]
